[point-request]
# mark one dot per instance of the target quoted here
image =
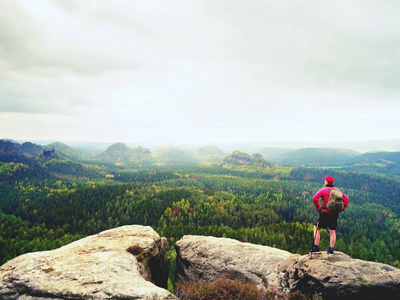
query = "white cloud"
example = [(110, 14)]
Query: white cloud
[(203, 71)]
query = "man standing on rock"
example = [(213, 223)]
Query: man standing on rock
[(327, 217)]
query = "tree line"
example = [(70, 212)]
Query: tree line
[(269, 205)]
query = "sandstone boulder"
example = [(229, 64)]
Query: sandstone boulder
[(339, 277), (128, 262), (208, 258)]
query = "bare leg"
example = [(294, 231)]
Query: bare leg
[(333, 237), (317, 235)]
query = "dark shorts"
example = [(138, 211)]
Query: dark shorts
[(326, 220)]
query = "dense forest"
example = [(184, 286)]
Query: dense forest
[(47, 201)]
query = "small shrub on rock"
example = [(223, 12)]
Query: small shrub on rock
[(297, 296), (222, 288), (228, 289)]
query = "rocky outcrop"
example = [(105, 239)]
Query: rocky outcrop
[(49, 151), (238, 158), (339, 277), (333, 276), (120, 152), (208, 258), (241, 158), (258, 160), (128, 262)]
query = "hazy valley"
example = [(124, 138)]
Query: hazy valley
[(54, 194)]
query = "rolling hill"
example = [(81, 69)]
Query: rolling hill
[(315, 157)]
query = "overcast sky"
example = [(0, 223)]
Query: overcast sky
[(199, 72)]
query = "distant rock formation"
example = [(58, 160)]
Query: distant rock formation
[(259, 160), (209, 258), (333, 276), (49, 151), (241, 158), (128, 262), (120, 152), (118, 148)]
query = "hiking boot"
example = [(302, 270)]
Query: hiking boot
[(330, 250), (315, 249)]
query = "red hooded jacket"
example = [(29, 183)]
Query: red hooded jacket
[(324, 193)]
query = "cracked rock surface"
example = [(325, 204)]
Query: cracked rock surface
[(339, 277), (208, 258), (127, 262), (332, 276)]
